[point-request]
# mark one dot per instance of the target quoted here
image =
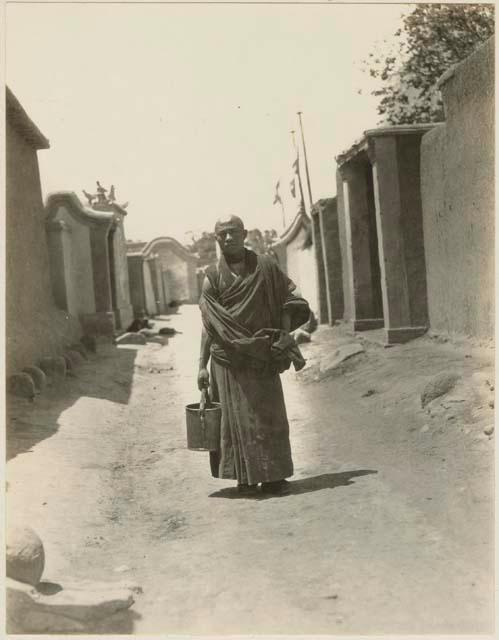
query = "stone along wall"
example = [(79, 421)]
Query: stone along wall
[(457, 182), (35, 327)]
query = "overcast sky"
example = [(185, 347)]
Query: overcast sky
[(187, 110)]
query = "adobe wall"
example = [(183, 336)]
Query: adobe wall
[(301, 268), (457, 183), (179, 275), (123, 308), (77, 264), (136, 280), (150, 298), (328, 251), (35, 327)]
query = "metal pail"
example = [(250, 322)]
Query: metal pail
[(203, 424)]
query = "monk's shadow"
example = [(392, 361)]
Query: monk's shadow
[(297, 487)]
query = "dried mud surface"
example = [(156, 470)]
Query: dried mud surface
[(388, 528)]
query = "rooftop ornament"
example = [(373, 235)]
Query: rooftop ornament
[(102, 201)]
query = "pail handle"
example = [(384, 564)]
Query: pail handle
[(204, 403)]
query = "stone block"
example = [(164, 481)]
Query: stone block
[(404, 334), (38, 377), (80, 349), (25, 557), (167, 331), (54, 367), (22, 385), (438, 386), (72, 608), (131, 338), (75, 358)]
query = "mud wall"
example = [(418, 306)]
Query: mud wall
[(179, 273), (301, 268), (457, 183), (34, 326)]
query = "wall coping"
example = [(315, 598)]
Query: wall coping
[(301, 221), (77, 210), (174, 244), (17, 116), (135, 247), (362, 144)]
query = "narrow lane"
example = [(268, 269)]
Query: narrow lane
[(361, 545)]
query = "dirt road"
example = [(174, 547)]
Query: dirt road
[(388, 529)]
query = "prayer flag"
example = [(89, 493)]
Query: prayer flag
[(277, 197)]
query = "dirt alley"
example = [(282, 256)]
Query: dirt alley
[(389, 527)]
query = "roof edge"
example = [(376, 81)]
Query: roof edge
[(362, 143), (16, 114)]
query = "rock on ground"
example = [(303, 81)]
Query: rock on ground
[(131, 338), (38, 377), (438, 386), (167, 331), (80, 349), (29, 610), (25, 557), (54, 367), (75, 357), (22, 385), (344, 352)]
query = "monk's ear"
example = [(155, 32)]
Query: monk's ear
[(245, 233)]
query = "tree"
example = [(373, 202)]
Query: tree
[(205, 248), (259, 242), (433, 38)]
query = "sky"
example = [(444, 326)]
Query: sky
[(188, 109)]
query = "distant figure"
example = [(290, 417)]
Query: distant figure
[(248, 309)]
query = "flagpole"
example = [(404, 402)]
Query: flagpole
[(298, 167), (277, 198), (306, 162)]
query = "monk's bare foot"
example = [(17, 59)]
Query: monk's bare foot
[(247, 489), (278, 488)]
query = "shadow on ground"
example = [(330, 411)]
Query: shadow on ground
[(297, 487), (107, 375)]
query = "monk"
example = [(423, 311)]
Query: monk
[(248, 310)]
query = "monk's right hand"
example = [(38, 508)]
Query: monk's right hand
[(203, 379)]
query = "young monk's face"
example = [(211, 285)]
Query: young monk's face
[(230, 237)]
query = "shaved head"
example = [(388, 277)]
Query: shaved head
[(231, 234), (231, 220)]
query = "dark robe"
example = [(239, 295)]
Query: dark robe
[(242, 316)]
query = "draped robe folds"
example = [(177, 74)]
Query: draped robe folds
[(242, 316)]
